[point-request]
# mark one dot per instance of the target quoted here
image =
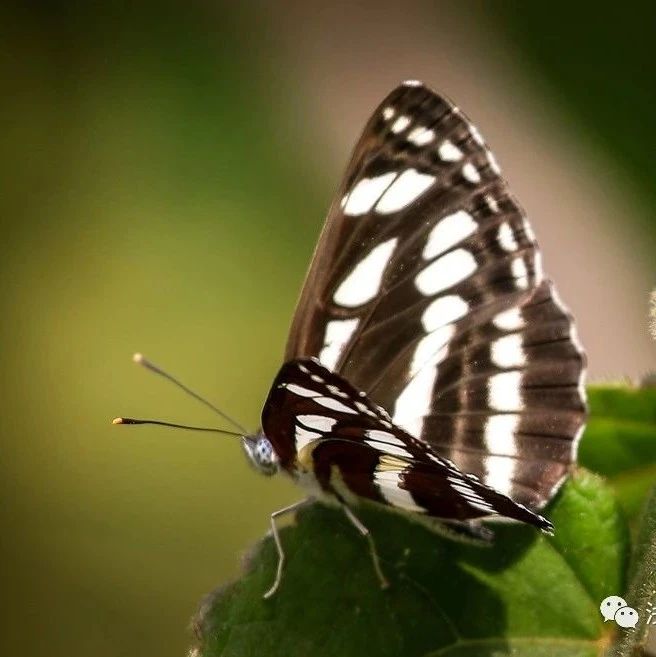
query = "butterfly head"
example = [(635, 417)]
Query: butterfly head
[(261, 454)]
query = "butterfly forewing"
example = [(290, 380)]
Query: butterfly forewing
[(426, 292), (320, 424)]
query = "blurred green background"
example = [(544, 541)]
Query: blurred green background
[(166, 168)]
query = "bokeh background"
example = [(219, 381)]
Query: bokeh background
[(165, 172)]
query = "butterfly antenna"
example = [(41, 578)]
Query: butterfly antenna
[(161, 423), (141, 360)]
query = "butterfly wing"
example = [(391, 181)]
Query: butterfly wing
[(426, 291), (433, 488), (321, 425)]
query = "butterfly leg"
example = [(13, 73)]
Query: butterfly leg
[(357, 523), (276, 538)]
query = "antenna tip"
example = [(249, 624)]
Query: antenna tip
[(138, 358), (118, 420)]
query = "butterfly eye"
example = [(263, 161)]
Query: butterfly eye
[(261, 454)]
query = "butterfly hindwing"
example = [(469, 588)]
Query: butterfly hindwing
[(507, 400), (424, 262)]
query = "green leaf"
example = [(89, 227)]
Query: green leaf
[(526, 594), (620, 441), (642, 589)]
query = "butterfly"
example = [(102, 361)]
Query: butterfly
[(430, 368)]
